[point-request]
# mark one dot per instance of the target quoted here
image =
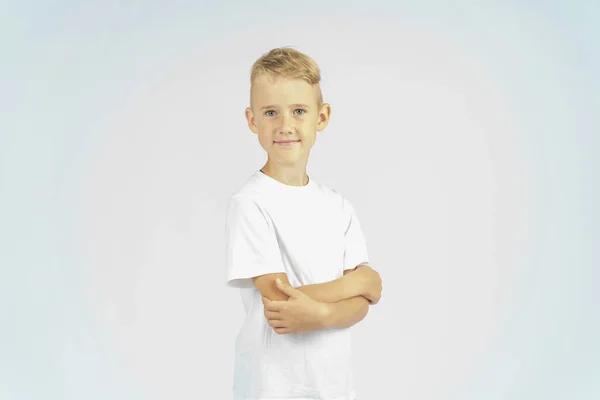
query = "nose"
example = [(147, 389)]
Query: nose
[(287, 124)]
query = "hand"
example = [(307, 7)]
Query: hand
[(299, 313), (370, 281)]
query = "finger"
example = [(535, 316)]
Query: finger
[(275, 305), (288, 289), (272, 314), (276, 323), (282, 331)]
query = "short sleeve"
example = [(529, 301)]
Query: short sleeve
[(251, 244), (355, 245)]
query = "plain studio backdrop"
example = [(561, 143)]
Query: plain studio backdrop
[(466, 136)]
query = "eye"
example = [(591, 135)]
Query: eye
[(300, 109), (270, 111)]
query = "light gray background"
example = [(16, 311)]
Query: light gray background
[(465, 135)]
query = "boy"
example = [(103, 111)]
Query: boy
[(296, 248)]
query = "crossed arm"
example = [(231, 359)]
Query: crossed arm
[(339, 303)]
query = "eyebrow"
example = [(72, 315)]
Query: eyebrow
[(291, 105)]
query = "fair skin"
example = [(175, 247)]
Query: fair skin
[(336, 304), (286, 109), (282, 110)]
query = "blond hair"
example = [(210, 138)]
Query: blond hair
[(288, 63)]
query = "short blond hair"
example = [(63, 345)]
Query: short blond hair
[(288, 63)]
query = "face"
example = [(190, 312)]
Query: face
[(286, 117)]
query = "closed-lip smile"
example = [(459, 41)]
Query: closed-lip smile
[(286, 141)]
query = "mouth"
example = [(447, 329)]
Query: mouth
[(286, 142)]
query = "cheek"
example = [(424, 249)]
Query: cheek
[(265, 127), (264, 140)]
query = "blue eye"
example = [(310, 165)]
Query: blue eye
[(303, 111), (269, 111)]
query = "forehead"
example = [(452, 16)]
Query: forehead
[(267, 89)]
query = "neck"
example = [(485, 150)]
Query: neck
[(288, 175)]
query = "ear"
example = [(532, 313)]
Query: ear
[(251, 121), (324, 115)]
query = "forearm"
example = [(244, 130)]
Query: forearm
[(346, 313), (342, 288), (360, 281)]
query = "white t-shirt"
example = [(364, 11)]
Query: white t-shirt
[(312, 234)]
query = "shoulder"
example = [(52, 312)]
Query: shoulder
[(249, 192), (330, 194), (249, 202), (247, 187), (242, 203), (244, 212), (340, 201), (340, 204)]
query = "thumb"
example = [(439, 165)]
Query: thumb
[(287, 289)]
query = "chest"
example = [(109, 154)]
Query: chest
[(311, 241)]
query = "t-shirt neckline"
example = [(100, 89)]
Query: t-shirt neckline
[(275, 184)]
